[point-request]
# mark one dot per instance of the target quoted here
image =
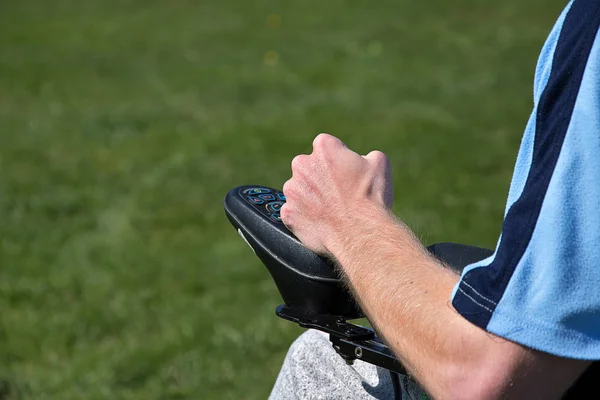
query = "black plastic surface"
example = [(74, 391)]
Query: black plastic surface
[(458, 256), (305, 280), (333, 324)]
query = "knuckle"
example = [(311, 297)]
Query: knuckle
[(378, 157), (285, 214), (284, 211), (298, 162), (287, 187), (322, 140)]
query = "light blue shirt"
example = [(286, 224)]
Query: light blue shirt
[(541, 288)]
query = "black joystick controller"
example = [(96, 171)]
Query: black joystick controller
[(307, 282), (314, 294)]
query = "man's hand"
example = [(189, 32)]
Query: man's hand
[(338, 205), (329, 185)]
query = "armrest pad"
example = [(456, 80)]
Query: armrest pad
[(458, 256)]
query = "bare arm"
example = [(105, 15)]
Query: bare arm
[(338, 205)]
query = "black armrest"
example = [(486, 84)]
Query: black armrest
[(458, 256)]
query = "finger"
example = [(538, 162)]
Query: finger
[(289, 216), (378, 159), (380, 163), (287, 188), (300, 163), (325, 142), (285, 213)]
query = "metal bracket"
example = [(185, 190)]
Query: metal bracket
[(350, 341)]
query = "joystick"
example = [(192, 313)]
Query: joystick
[(313, 292), (307, 282)]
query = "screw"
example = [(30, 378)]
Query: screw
[(358, 352)]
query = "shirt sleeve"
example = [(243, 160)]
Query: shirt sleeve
[(541, 287)]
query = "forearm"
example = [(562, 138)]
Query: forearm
[(337, 205), (406, 294)]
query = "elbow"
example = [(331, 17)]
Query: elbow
[(473, 389), (462, 382)]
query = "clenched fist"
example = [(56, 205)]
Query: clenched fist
[(330, 188)]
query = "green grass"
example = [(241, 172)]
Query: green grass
[(124, 123)]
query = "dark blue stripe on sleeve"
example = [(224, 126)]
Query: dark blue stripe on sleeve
[(481, 289)]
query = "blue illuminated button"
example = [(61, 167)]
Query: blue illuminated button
[(274, 207), (256, 191), (256, 200), (267, 197), (281, 196), (276, 217)]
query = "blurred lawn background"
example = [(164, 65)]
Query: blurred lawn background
[(124, 123)]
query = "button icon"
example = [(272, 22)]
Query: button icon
[(256, 191), (274, 207), (267, 197), (276, 217), (256, 200), (281, 196)]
